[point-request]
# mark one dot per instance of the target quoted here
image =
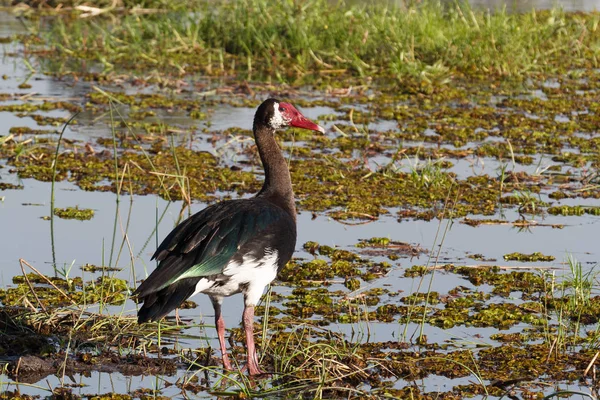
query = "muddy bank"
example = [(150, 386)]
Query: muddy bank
[(32, 368)]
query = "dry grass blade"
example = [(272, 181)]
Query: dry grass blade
[(40, 304), (591, 364), (44, 277)]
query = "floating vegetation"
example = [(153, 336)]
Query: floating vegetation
[(25, 130), (343, 264), (10, 186), (322, 179), (94, 268), (293, 349), (533, 257), (42, 106), (504, 283), (415, 271), (477, 222), (374, 242), (63, 292), (82, 214), (389, 248), (573, 210)]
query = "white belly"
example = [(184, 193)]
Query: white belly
[(250, 277)]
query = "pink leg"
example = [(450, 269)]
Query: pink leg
[(248, 318), (220, 323)]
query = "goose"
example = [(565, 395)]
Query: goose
[(235, 246)]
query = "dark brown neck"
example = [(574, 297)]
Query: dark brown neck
[(278, 183)]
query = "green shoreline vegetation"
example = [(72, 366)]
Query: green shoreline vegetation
[(320, 41)]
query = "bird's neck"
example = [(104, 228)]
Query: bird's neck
[(278, 183)]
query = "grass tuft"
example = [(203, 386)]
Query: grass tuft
[(425, 43)]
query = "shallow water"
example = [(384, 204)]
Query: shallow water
[(528, 5), (519, 5), (28, 236)]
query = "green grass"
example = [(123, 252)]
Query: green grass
[(303, 41), (572, 308), (428, 173)]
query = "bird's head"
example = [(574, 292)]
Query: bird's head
[(277, 114)]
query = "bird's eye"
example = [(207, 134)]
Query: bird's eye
[(282, 109)]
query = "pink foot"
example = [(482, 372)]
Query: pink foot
[(255, 370)]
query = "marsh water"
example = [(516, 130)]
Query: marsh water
[(528, 5), (145, 219)]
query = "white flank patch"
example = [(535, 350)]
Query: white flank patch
[(252, 274), (278, 120), (202, 285)]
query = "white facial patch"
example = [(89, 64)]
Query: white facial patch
[(278, 120)]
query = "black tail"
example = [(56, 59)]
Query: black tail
[(158, 304)]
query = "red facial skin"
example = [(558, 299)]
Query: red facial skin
[(297, 119)]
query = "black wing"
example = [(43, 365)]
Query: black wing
[(204, 244)]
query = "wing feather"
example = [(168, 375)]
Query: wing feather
[(204, 244)]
